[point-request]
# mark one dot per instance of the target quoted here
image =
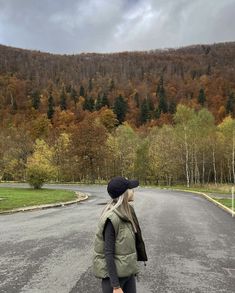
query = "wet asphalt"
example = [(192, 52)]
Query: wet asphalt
[(189, 241)]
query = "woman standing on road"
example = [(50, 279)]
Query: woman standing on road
[(118, 243)]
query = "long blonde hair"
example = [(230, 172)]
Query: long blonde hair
[(121, 201)]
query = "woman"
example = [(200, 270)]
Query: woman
[(118, 243)]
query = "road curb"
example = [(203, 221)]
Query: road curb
[(80, 197), (228, 210)]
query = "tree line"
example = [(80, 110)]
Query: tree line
[(193, 150)]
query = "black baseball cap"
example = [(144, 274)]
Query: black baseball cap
[(118, 185)]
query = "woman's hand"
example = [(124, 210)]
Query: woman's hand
[(119, 290)]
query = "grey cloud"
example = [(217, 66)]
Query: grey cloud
[(105, 26)]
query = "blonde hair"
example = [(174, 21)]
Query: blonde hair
[(121, 201)]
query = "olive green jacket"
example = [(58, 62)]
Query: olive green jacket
[(125, 257)]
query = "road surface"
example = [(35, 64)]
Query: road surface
[(189, 241)]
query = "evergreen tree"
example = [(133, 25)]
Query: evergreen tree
[(63, 102), (112, 85), (51, 104), (120, 108), (144, 111), (74, 95), (162, 96), (157, 113), (82, 91), (98, 103), (137, 99), (150, 104), (172, 107), (104, 100), (201, 97), (90, 85), (230, 103), (88, 104), (35, 100)]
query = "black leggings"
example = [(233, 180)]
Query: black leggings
[(128, 284)]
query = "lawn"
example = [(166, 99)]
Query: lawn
[(225, 201), (11, 198), (208, 188)]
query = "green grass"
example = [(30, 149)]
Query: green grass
[(209, 188), (225, 201), (11, 198)]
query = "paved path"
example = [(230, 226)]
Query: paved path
[(189, 241)]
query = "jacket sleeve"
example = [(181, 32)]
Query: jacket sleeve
[(109, 247)]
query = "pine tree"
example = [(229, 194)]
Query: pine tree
[(63, 102), (120, 108), (88, 104), (90, 85), (137, 99), (35, 100), (162, 107), (82, 91), (172, 107), (144, 111), (157, 113), (230, 103), (74, 96), (104, 100), (150, 104), (51, 104), (201, 97), (98, 103), (112, 85)]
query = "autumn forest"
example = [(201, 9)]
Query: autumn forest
[(162, 116)]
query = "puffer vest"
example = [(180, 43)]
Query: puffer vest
[(125, 257)]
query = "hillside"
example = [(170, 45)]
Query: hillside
[(152, 83)]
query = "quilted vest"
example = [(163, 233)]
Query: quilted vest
[(125, 250)]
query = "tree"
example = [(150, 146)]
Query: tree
[(162, 105), (137, 99), (35, 99), (144, 111), (227, 128), (98, 103), (108, 119), (112, 85), (51, 105), (120, 108), (104, 100), (201, 97), (74, 97), (39, 165), (88, 146), (183, 119), (230, 104), (63, 103), (88, 104), (82, 91), (90, 85)]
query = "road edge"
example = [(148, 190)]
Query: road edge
[(228, 210), (80, 197)]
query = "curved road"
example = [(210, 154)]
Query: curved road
[(189, 241)]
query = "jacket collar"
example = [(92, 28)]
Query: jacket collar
[(119, 212)]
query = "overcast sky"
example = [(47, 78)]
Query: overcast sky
[(75, 26)]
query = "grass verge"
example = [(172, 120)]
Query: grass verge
[(225, 201), (209, 188), (12, 198)]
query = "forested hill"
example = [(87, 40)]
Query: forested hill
[(146, 86)]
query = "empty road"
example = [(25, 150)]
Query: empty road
[(189, 241)]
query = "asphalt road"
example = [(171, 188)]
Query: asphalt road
[(189, 241)]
